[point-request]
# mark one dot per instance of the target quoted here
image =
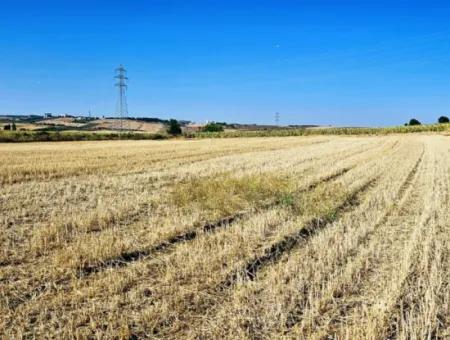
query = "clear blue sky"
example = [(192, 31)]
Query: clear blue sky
[(339, 62)]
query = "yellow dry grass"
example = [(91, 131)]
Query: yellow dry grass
[(297, 237), (135, 125)]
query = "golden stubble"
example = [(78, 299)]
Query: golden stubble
[(300, 237)]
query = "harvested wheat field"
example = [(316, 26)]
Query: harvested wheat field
[(298, 237)]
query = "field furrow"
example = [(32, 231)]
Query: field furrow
[(171, 230), (261, 297), (310, 238), (284, 217), (357, 304)]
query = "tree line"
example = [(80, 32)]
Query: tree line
[(414, 121)]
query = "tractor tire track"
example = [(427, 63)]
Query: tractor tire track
[(362, 270), (190, 235), (129, 257), (169, 244), (126, 219), (428, 254), (273, 253), (295, 315), (259, 288), (288, 243), (210, 227)]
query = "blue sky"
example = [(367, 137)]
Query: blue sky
[(356, 63)]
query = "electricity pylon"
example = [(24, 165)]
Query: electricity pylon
[(122, 107)]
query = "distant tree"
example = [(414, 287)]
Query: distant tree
[(7, 127), (213, 127), (414, 121), (174, 127), (443, 119), (222, 123), (13, 126)]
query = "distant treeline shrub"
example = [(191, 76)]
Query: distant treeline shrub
[(149, 120), (55, 136), (213, 127), (443, 120), (174, 128), (413, 122), (11, 127), (9, 136), (323, 131)]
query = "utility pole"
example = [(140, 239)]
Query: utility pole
[(122, 108)]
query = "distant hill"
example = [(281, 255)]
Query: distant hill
[(136, 124), (34, 122)]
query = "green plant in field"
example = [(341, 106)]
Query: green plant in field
[(287, 200), (224, 194), (320, 201)]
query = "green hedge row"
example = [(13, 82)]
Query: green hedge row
[(54, 136), (323, 131)]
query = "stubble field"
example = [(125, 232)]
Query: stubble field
[(296, 237)]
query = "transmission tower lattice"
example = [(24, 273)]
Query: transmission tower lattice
[(122, 107), (277, 118)]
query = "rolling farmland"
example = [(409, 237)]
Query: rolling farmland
[(294, 237)]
